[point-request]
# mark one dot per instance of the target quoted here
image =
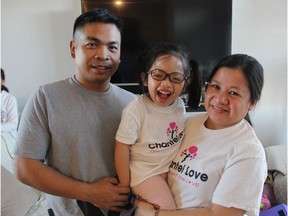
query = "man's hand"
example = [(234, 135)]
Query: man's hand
[(106, 193)]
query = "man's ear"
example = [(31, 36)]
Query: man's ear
[(72, 49), (144, 79)]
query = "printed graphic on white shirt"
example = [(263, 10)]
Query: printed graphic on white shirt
[(3, 116), (182, 170), (174, 138)]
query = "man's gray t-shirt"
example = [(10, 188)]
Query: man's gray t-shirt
[(73, 130)]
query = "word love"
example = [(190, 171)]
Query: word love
[(186, 170)]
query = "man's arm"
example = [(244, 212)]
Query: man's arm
[(104, 193)]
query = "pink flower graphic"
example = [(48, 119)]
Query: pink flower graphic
[(189, 153), (172, 128)]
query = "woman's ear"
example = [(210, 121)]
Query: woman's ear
[(252, 106), (144, 79)]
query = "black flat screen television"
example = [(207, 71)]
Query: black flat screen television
[(202, 26)]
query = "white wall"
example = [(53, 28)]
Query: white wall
[(35, 43), (259, 28), (35, 50)]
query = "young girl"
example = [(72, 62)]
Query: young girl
[(151, 127)]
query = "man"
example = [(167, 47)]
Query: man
[(65, 145)]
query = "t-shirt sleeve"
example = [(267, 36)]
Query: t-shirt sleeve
[(33, 136), (129, 126), (241, 183)]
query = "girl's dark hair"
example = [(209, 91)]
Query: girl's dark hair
[(97, 15), (3, 87), (190, 68), (194, 87), (251, 68)]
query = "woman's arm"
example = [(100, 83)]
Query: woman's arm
[(122, 160), (145, 209)]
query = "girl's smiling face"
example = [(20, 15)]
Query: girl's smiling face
[(163, 93), (227, 98)]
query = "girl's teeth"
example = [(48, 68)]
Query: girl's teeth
[(164, 92)]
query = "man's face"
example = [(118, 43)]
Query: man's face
[(96, 50)]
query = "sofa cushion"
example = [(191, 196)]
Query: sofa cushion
[(277, 169), (16, 198)]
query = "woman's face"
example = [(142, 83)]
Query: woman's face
[(227, 98)]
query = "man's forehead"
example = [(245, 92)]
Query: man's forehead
[(99, 30)]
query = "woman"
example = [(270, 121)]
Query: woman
[(9, 109), (220, 168), (9, 123)]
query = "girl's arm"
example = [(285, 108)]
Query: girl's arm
[(122, 160), (145, 209)]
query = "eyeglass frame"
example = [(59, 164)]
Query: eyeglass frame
[(167, 75)]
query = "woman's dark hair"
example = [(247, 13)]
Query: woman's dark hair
[(251, 68), (3, 87), (97, 15), (190, 68)]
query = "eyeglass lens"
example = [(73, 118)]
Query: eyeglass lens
[(160, 75)]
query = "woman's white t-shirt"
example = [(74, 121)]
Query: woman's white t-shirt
[(226, 167), (9, 113)]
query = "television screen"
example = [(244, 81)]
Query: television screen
[(202, 26)]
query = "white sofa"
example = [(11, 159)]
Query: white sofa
[(277, 170), (16, 198)]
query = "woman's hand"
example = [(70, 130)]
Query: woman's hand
[(144, 208)]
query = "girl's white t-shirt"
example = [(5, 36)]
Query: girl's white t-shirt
[(154, 133)]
